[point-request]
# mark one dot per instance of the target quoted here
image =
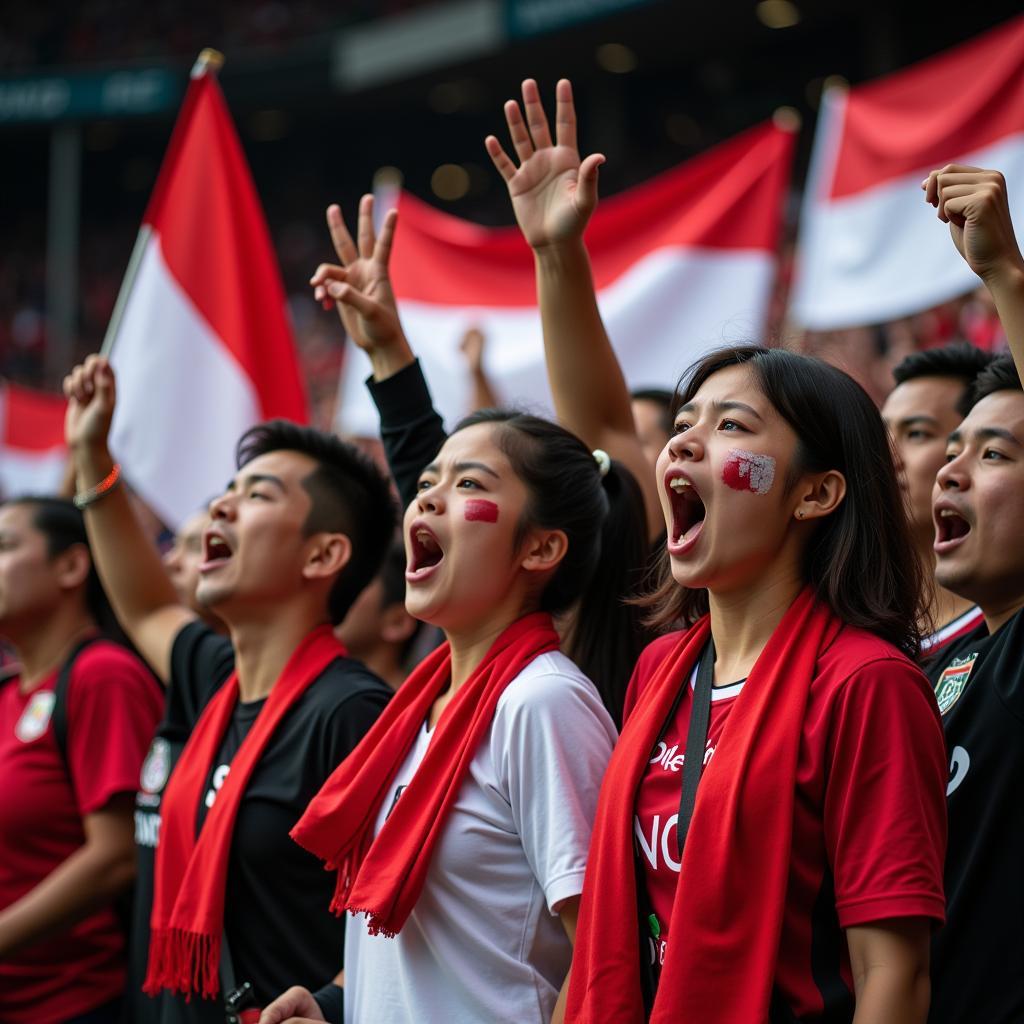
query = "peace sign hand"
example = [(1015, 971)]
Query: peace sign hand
[(553, 193), (360, 288)]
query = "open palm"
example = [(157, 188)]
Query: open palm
[(553, 192)]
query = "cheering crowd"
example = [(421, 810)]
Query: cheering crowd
[(701, 706)]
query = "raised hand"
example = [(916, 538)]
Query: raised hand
[(553, 193), (91, 394), (360, 287), (973, 202)]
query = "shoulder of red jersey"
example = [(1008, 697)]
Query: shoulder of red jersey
[(650, 658)]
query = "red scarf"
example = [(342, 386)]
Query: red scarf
[(720, 969), (382, 877), (187, 921)]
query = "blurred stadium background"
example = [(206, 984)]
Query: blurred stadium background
[(325, 94)]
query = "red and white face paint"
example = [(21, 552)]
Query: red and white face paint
[(749, 471), (479, 510)]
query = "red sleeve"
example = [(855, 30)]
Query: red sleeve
[(113, 710), (650, 657), (885, 803)]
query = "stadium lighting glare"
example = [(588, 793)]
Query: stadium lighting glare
[(450, 182), (616, 58), (778, 13)]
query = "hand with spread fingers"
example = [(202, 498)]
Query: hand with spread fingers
[(360, 288), (974, 203), (553, 193)]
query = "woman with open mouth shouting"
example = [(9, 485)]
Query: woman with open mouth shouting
[(801, 878), (460, 827)]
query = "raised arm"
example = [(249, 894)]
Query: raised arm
[(133, 576), (553, 195), (360, 288), (974, 203)]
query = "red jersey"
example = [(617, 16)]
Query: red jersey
[(869, 829), (112, 712)]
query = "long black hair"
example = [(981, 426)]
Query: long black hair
[(603, 520), (63, 526), (860, 559)]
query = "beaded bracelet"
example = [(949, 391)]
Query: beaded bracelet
[(89, 497)]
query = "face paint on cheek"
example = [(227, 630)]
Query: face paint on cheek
[(477, 510), (749, 471)]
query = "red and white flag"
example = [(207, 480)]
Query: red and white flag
[(681, 263), (200, 338), (870, 248), (32, 451)]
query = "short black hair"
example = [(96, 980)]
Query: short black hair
[(959, 359), (349, 495), (1000, 375), (664, 400)]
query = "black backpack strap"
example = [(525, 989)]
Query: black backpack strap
[(59, 715)]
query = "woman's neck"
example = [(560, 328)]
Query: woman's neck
[(44, 648), (742, 622)]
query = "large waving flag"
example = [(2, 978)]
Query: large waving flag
[(32, 451), (681, 263), (870, 248), (200, 338)]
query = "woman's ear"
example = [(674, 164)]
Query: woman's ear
[(544, 549), (821, 495), (73, 565)]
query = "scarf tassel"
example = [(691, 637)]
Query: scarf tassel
[(183, 961)]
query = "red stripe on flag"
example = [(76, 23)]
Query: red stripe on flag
[(217, 246), (934, 112), (728, 198), (33, 420)]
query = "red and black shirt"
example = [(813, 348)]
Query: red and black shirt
[(112, 711)]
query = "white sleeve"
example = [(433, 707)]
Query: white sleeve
[(552, 738)]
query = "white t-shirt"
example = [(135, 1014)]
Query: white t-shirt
[(484, 942)]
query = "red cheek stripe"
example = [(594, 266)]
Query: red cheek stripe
[(477, 510), (749, 471)]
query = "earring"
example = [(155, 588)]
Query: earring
[(800, 514)]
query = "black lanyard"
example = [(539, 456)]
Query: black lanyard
[(696, 741)]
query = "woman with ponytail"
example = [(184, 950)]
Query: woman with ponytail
[(459, 829)]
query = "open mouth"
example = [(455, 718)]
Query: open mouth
[(950, 528), (688, 513), (425, 552), (216, 551)]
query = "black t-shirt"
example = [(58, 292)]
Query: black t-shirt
[(978, 957), (276, 916)]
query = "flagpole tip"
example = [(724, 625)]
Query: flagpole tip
[(209, 61), (787, 119), (834, 82)]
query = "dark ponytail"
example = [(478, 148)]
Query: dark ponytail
[(603, 520)]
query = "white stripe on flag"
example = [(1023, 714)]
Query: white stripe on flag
[(30, 472), (883, 253), (668, 309), (183, 400)]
